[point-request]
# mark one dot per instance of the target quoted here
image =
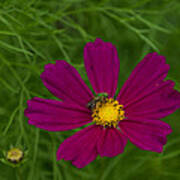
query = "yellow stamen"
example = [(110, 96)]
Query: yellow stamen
[(14, 155), (108, 112)]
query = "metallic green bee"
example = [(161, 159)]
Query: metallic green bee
[(101, 97)]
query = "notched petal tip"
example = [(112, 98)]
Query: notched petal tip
[(29, 104), (50, 67), (98, 42)]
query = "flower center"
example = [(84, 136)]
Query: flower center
[(107, 112)]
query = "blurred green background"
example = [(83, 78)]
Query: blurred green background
[(36, 32)]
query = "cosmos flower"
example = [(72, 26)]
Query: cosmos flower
[(135, 114)]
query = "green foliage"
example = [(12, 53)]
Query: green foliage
[(36, 32)]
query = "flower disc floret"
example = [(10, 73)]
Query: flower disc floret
[(108, 113)]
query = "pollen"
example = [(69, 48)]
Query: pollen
[(108, 113), (15, 155)]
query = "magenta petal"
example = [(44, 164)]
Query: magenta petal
[(55, 115), (102, 66), (162, 101), (145, 94), (150, 71), (111, 142), (81, 148), (64, 82), (146, 134)]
